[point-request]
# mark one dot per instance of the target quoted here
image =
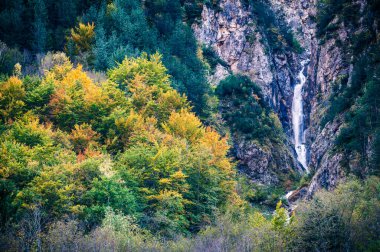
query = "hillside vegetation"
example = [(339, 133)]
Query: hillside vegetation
[(113, 139)]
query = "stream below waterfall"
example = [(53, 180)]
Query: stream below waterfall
[(298, 118)]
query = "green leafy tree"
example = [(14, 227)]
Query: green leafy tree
[(105, 193), (343, 219)]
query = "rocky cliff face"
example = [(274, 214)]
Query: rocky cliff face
[(326, 66), (300, 17), (232, 31), (269, 164)]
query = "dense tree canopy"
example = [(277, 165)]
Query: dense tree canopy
[(73, 147), (99, 34)]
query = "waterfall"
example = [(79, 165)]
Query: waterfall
[(297, 118)]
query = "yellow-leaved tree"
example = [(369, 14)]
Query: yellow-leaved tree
[(184, 175), (82, 37), (12, 95)]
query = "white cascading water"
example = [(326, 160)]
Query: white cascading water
[(297, 118)]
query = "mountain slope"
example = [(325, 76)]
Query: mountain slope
[(334, 37)]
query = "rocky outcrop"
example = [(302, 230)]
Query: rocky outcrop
[(327, 64), (232, 31), (219, 73), (293, 197), (324, 160), (300, 17), (269, 164)]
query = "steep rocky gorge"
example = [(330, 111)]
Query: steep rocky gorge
[(326, 65), (235, 34)]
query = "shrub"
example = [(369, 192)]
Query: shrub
[(245, 111)]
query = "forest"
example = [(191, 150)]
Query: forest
[(114, 138)]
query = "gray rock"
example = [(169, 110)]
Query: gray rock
[(265, 164), (232, 32), (219, 74)]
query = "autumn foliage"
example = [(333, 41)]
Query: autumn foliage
[(71, 146)]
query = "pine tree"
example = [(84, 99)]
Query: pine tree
[(40, 26)]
